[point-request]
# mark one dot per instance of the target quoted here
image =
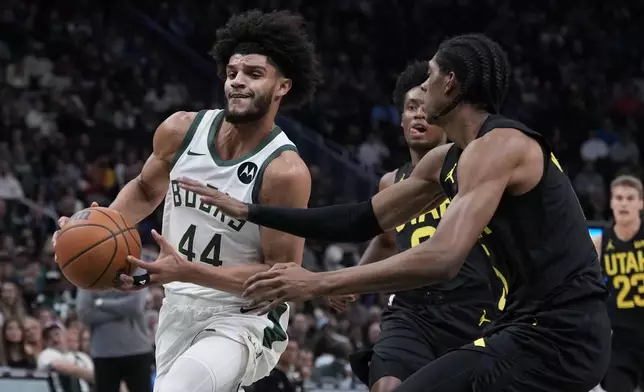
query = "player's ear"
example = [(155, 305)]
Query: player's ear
[(451, 85), (283, 87)]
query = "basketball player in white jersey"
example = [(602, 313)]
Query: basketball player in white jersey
[(206, 339)]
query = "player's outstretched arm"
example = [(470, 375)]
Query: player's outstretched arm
[(384, 244), (141, 196), (487, 168), (346, 222)]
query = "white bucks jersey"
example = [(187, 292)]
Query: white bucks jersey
[(201, 232)]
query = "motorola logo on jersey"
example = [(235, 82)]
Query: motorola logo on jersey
[(246, 172)]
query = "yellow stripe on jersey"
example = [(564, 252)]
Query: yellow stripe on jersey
[(505, 291)]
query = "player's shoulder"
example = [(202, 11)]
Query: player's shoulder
[(285, 181), (431, 164), (177, 123), (170, 134), (287, 169), (387, 180), (509, 145)]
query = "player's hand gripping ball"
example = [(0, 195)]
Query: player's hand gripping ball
[(92, 247)]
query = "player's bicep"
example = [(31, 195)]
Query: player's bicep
[(484, 173), (286, 183), (403, 201), (167, 143)]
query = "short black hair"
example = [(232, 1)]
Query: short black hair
[(481, 68), (282, 37), (49, 329), (413, 76)]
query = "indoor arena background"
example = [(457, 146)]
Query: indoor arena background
[(83, 84)]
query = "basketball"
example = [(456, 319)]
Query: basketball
[(93, 246)]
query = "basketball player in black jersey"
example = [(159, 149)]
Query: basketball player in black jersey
[(420, 325), (621, 250), (505, 184)]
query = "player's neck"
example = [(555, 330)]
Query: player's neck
[(462, 125), (416, 156), (235, 140), (625, 231)]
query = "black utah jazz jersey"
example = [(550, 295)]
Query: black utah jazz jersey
[(623, 266), (477, 272), (541, 237)]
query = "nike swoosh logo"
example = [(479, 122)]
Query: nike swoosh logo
[(194, 153)]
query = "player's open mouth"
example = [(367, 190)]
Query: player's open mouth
[(418, 128), (238, 96)]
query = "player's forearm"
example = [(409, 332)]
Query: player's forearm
[(378, 249), (136, 202), (414, 268), (343, 223), (227, 279)]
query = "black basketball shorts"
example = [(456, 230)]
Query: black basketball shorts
[(414, 334)]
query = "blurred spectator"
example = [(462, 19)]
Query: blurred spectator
[(624, 149), (10, 188), (34, 343), (11, 303), (588, 182), (85, 342), (593, 148), (285, 377), (121, 346), (85, 88), (372, 152), (73, 371), (306, 364), (12, 346)]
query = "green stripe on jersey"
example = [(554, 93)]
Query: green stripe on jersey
[(188, 137), (260, 175), (212, 143), (276, 333)]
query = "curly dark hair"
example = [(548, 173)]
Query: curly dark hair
[(481, 68), (282, 37), (413, 76)]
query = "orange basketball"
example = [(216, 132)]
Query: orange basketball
[(93, 246)]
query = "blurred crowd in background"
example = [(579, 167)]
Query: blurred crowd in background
[(82, 88)]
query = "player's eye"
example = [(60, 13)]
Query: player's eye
[(231, 75)]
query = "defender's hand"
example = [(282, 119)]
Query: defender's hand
[(339, 302), (169, 266), (62, 221), (229, 206), (284, 282)]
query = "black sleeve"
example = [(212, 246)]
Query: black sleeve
[(340, 223)]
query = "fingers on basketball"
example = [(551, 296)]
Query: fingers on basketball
[(92, 248)]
